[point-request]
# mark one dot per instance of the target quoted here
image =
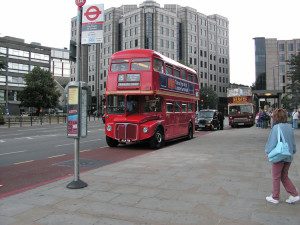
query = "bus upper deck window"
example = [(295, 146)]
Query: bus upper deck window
[(183, 74), (169, 70), (190, 77), (176, 73), (140, 64), (120, 65), (158, 65)]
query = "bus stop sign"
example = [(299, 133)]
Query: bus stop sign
[(80, 3)]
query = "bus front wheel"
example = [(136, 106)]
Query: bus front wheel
[(157, 140), (111, 142)]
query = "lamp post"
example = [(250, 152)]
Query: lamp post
[(276, 66)]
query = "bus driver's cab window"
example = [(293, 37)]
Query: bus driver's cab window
[(132, 104)]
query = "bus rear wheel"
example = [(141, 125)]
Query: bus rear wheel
[(111, 142), (157, 140)]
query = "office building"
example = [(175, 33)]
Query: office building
[(181, 33)]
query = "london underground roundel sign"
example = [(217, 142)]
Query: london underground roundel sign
[(80, 3)]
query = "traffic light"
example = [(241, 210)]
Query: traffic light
[(72, 53)]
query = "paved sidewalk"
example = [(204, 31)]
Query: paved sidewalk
[(221, 178)]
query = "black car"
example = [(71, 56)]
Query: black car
[(207, 119)]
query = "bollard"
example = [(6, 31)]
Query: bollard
[(20, 120), (8, 122), (49, 119), (57, 119)]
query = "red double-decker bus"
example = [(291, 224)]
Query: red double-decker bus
[(149, 97)]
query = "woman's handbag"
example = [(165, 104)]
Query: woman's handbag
[(281, 151)]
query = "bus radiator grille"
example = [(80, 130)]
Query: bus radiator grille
[(126, 132)]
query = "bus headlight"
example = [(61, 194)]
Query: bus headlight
[(145, 129), (108, 128)]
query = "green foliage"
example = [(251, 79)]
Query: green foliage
[(208, 98), (294, 84), (287, 103), (40, 91)]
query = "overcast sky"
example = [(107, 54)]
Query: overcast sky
[(48, 22)]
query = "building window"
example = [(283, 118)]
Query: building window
[(281, 47), (291, 47)]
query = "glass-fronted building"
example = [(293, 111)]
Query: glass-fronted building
[(271, 67)]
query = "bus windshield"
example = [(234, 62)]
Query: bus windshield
[(242, 109), (115, 104)]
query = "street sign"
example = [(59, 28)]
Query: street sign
[(92, 24), (92, 13), (80, 3)]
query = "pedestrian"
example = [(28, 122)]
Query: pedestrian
[(221, 120), (280, 169), (295, 116)]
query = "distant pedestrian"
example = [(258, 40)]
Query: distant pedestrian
[(295, 116), (280, 170), (221, 120)]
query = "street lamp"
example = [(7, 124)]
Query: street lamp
[(276, 66)]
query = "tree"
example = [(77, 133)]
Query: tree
[(40, 91), (208, 98), (294, 77)]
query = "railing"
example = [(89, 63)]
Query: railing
[(13, 121)]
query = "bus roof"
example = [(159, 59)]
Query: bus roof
[(148, 53)]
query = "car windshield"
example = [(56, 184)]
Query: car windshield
[(206, 114)]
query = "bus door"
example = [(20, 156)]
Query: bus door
[(170, 120)]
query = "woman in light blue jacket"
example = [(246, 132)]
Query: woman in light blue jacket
[(280, 170)]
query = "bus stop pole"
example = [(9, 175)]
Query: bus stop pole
[(77, 183)]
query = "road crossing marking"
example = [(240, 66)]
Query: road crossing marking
[(55, 156), (23, 162)]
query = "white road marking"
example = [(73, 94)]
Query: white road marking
[(55, 156), (87, 150), (9, 153), (36, 136), (2, 141), (80, 142), (32, 129), (23, 162)]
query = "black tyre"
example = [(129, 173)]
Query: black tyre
[(111, 142), (157, 140), (190, 132)]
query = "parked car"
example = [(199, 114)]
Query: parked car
[(207, 119)]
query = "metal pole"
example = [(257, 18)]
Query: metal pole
[(6, 86), (273, 78), (77, 183)]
